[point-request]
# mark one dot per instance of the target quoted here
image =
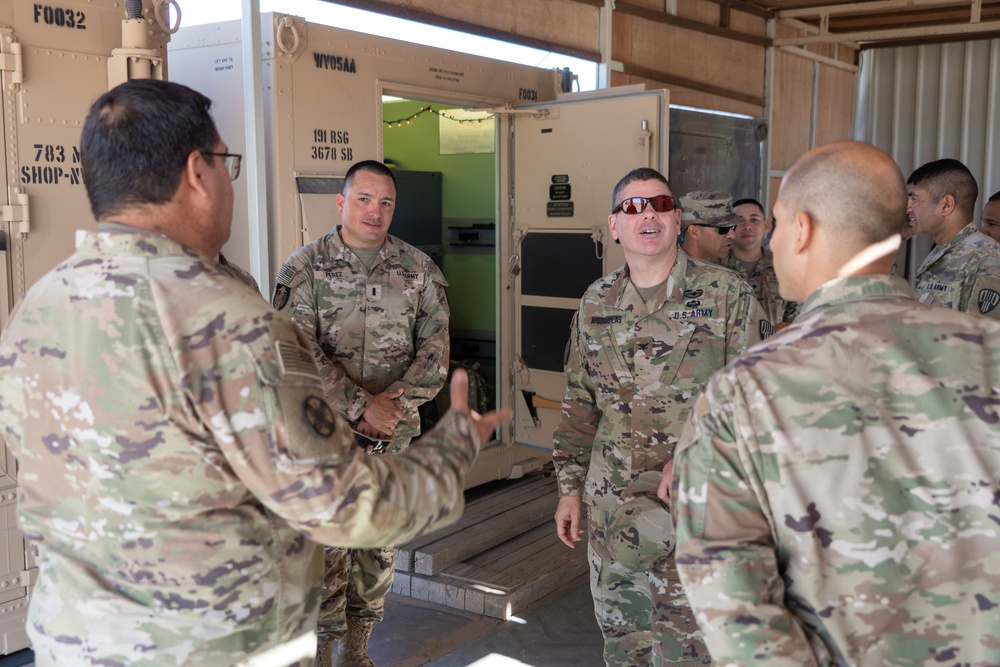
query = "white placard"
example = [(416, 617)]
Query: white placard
[(477, 134)]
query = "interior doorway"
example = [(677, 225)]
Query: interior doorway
[(445, 162)]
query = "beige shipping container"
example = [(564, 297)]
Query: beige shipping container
[(557, 161)]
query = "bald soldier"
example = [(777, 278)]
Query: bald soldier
[(963, 269), (836, 486), (179, 466), (645, 339)]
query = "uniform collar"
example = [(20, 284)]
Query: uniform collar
[(856, 288), (625, 296), (391, 248)]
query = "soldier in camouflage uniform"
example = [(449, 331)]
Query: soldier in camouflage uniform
[(177, 460), (963, 270), (991, 217), (749, 258), (645, 339), (375, 310), (836, 486), (707, 225)]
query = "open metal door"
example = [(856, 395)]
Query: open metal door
[(564, 161)]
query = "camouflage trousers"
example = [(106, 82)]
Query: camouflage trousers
[(644, 616), (355, 583)]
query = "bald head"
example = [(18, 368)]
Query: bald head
[(851, 189)]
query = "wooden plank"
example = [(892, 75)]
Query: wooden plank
[(477, 511), (537, 587), (435, 557)]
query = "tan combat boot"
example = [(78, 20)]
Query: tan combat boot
[(324, 652), (353, 651)]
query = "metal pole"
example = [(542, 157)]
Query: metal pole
[(254, 159)]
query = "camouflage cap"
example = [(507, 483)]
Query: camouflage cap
[(640, 531), (708, 208)]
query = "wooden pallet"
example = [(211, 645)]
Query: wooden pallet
[(502, 555)]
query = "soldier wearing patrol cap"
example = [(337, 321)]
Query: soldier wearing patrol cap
[(178, 462), (645, 339), (708, 225), (836, 487), (962, 272)]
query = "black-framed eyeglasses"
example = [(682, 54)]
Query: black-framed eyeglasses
[(722, 230), (232, 162), (636, 205)]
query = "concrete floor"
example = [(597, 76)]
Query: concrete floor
[(557, 630)]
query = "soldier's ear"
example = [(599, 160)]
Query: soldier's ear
[(613, 226), (804, 228), (947, 204)]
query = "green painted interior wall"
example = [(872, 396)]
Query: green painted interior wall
[(468, 187)]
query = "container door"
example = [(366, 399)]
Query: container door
[(565, 160)]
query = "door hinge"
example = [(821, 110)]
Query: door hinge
[(19, 213), (11, 62)]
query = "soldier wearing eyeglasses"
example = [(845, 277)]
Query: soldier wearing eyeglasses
[(179, 464), (707, 225), (645, 339)]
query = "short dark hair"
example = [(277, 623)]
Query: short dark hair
[(373, 166), (947, 177), (638, 174), (748, 200), (136, 141), (995, 196)]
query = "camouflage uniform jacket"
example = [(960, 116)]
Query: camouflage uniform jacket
[(765, 287), (836, 488), (238, 272), (373, 331), (963, 274), (634, 369), (174, 455)]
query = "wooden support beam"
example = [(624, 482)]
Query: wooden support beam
[(391, 9), (672, 80), (688, 24)]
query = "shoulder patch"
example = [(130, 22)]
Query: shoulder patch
[(766, 329), (987, 300), (281, 296), (319, 415)]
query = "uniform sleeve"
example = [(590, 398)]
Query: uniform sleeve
[(747, 322), (573, 440), (295, 295), (726, 554), (429, 370), (260, 395)]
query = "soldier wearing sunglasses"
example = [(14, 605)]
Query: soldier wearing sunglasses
[(708, 225), (644, 341)]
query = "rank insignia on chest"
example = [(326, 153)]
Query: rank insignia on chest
[(374, 292)]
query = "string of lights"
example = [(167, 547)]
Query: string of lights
[(444, 114)]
